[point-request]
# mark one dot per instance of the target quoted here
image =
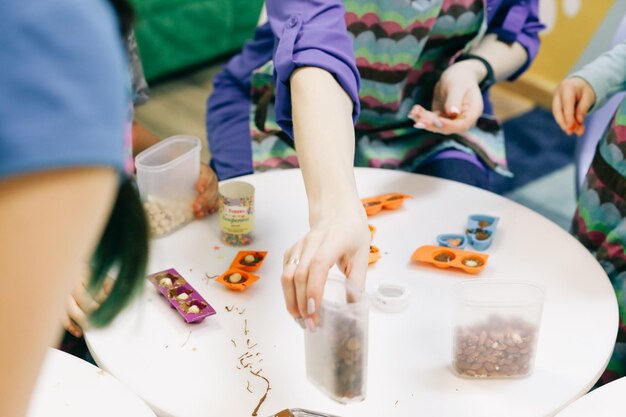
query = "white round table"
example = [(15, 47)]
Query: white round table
[(606, 401), (192, 370), (70, 387)]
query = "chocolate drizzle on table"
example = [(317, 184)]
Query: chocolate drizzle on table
[(250, 358)]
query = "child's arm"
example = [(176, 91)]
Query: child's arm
[(587, 89), (457, 92), (42, 255), (606, 75)]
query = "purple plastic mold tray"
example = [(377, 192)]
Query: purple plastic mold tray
[(181, 295)]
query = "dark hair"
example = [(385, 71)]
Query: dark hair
[(125, 15), (123, 245)]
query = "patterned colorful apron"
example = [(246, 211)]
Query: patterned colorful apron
[(401, 49), (600, 223)]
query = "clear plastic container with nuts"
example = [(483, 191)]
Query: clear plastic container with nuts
[(166, 175), (336, 352), (496, 328)]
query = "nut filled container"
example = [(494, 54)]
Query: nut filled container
[(166, 175), (336, 352), (496, 327)]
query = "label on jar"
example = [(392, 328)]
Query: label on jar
[(236, 219)]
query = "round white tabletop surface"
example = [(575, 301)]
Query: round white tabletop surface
[(606, 401), (192, 370), (70, 387)]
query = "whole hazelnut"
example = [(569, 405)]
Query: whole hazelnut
[(165, 282), (235, 277)]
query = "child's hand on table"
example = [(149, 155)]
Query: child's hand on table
[(80, 303), (457, 102), (207, 187), (572, 100)]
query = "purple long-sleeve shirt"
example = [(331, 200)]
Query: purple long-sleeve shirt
[(313, 33)]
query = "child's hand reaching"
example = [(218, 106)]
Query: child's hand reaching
[(207, 188), (572, 100), (457, 102)]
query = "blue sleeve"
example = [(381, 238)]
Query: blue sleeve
[(228, 108), (64, 86), (517, 21), (311, 33)]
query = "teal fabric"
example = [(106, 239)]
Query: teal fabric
[(606, 74), (177, 34)]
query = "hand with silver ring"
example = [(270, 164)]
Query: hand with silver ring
[(342, 239)]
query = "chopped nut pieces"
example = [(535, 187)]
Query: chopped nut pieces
[(444, 257), (454, 242), (165, 282), (482, 234), (472, 262)]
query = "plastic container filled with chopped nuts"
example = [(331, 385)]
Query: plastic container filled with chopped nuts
[(166, 175), (496, 327), (336, 352)]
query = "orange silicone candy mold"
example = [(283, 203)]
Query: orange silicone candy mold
[(372, 206), (392, 201), (236, 279), (374, 255), (442, 257), (389, 201), (248, 260), (372, 231)]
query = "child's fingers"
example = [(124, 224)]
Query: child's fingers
[(580, 130), (425, 119), (584, 104), (416, 112), (206, 202), (557, 111), (75, 318), (462, 122), (199, 206), (435, 120), (454, 102), (568, 100), (71, 327), (458, 126), (202, 183), (206, 180)]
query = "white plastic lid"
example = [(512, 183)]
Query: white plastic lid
[(391, 297)]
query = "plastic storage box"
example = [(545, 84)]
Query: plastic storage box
[(166, 175), (336, 352), (496, 328)]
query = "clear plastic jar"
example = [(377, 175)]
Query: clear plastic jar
[(336, 352), (496, 328), (166, 175)]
